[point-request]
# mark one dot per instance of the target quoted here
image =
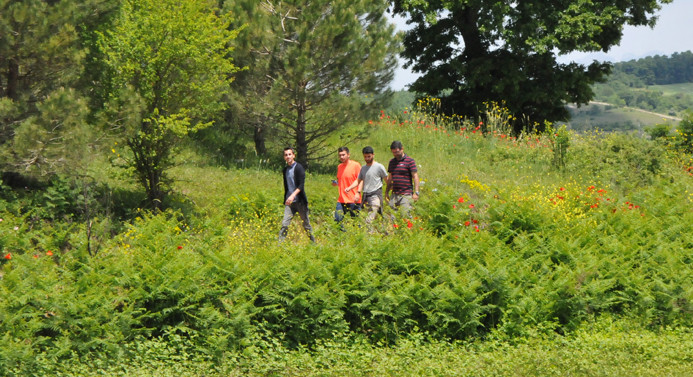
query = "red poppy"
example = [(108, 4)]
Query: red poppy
[(180, 247), (471, 206), (460, 200), (475, 221), (454, 206), (8, 256), (466, 223), (409, 224), (49, 253), (562, 188), (476, 228), (396, 226)]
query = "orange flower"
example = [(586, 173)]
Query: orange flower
[(49, 253), (8, 256)]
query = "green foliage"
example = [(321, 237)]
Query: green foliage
[(510, 47), (560, 141), (658, 131), (309, 65), (43, 128), (504, 258), (683, 140), (169, 67)]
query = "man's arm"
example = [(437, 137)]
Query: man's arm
[(292, 197), (415, 179), (353, 185)]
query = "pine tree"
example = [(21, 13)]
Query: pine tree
[(309, 62), (42, 113)]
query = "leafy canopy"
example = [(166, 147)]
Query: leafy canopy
[(169, 67), (474, 51)]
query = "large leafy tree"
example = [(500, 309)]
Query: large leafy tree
[(43, 127), (474, 51), (310, 64), (169, 66)]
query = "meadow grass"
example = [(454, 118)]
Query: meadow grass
[(674, 89), (514, 263)]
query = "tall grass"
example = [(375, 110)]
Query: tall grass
[(506, 245)]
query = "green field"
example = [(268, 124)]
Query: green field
[(673, 89), (551, 254), (612, 118)]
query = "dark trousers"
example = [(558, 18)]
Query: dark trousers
[(346, 208)]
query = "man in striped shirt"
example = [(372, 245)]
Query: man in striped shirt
[(402, 180)]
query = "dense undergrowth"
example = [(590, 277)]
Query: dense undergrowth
[(520, 248)]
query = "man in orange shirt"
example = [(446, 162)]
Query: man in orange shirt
[(347, 173)]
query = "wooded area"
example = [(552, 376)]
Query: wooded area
[(142, 77)]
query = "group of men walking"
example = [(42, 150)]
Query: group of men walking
[(359, 186)]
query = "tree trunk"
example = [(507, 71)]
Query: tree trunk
[(155, 194), (259, 139), (301, 143), (12, 80)]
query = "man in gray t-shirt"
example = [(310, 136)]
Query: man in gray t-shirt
[(370, 184)]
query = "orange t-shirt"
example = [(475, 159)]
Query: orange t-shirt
[(348, 173)]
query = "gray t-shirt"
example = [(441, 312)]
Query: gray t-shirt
[(290, 183), (372, 177)]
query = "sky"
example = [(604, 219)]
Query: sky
[(672, 33)]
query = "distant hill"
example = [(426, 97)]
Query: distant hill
[(639, 93), (607, 117)]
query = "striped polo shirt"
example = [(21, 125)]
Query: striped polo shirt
[(402, 171)]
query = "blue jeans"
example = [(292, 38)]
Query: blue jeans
[(343, 208)]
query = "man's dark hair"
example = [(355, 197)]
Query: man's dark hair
[(343, 149), (289, 148), (396, 145), (368, 149)]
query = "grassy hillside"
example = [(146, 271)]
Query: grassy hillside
[(614, 118), (548, 254), (674, 89)]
